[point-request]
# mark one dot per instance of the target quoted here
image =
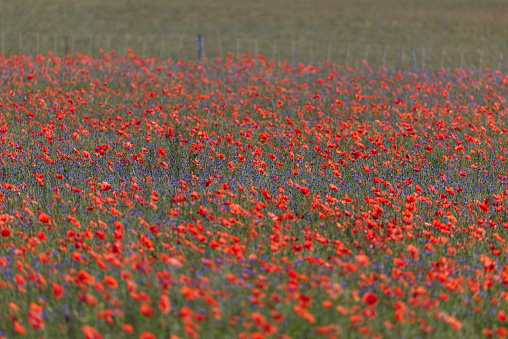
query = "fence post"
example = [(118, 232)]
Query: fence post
[(292, 51), (200, 47), (481, 60), (366, 57), (442, 57), (310, 53), (414, 59), (347, 54), (126, 44), (217, 41), (180, 41), (274, 50), (90, 45), (384, 55), (143, 47), (162, 47), (204, 47), (55, 43), (500, 64), (423, 58)]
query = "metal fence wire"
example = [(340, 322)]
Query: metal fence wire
[(294, 51)]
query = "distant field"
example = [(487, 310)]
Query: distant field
[(470, 25)]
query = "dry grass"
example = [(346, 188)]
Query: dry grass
[(431, 23), (404, 22)]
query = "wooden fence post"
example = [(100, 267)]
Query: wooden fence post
[(385, 51), (274, 50), (292, 51), (200, 47), (55, 44), (442, 57), (423, 58), (481, 60), (366, 56), (217, 41), (347, 54), (311, 52)]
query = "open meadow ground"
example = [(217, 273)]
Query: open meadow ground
[(474, 33), (466, 23), (247, 199)]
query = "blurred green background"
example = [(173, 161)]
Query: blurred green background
[(477, 30)]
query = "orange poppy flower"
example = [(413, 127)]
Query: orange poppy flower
[(147, 335), (147, 310), (127, 328), (44, 218), (165, 304), (58, 291), (19, 328), (91, 333)]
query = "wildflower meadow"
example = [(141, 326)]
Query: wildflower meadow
[(243, 198)]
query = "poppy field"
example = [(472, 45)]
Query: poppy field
[(242, 198)]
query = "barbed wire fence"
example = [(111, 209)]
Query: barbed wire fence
[(294, 51)]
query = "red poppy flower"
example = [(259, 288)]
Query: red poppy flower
[(304, 190), (42, 236), (44, 218), (147, 335), (19, 328), (91, 333), (502, 332), (6, 233), (147, 310), (484, 208), (110, 281), (105, 186), (86, 278), (58, 291), (165, 304), (363, 260), (35, 319), (370, 299), (162, 152), (127, 328)]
